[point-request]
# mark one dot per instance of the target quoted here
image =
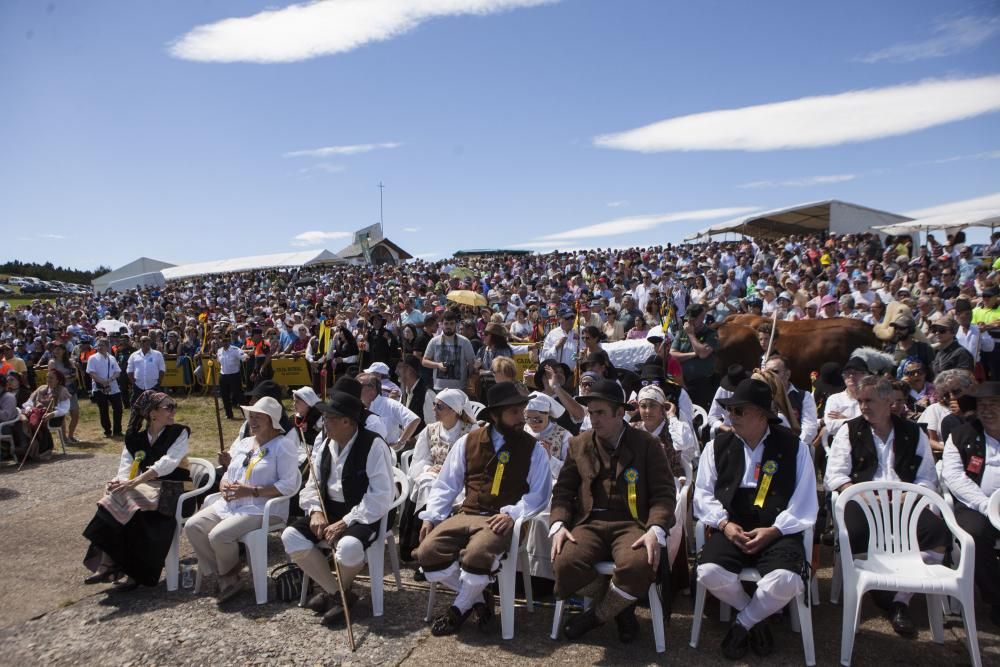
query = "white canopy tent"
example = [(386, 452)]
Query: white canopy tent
[(143, 271), (239, 264), (833, 216), (948, 221)]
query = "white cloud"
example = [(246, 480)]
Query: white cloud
[(986, 155), (638, 223), (325, 167), (977, 204), (950, 37), (428, 255), (313, 29), (411, 230), (617, 204), (811, 122), (53, 237), (317, 237), (352, 149), (537, 245), (800, 182)]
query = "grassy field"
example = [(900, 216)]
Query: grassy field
[(196, 411)]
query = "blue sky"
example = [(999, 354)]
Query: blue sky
[(202, 130)]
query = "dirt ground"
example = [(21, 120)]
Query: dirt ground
[(47, 615)]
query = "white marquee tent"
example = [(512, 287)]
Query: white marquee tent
[(279, 260), (143, 271), (832, 216), (948, 221)]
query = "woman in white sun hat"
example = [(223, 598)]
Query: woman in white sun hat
[(262, 465)]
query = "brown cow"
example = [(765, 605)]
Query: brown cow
[(807, 344)]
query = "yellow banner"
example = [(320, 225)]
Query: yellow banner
[(292, 372), (523, 363), (174, 377)]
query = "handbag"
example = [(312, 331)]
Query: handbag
[(285, 582)]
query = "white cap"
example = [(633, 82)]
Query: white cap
[(307, 395), (456, 400), (379, 368), (652, 393), (540, 402)]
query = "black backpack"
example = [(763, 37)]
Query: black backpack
[(285, 582)]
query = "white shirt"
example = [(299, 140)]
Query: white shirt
[(278, 467), (164, 466), (381, 488), (717, 416), (681, 435), (933, 416), (451, 481), (105, 367), (975, 341), (394, 415), (963, 488), (230, 357), (839, 467), (146, 368), (843, 403), (802, 507), (808, 422), (568, 353)]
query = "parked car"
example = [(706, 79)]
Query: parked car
[(6, 290)]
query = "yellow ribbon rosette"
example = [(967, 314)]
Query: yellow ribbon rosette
[(503, 458), (768, 469)]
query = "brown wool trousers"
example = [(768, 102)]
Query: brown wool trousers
[(598, 541), (465, 538)]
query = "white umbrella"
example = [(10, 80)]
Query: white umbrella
[(960, 220), (110, 326)]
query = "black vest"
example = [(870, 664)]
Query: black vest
[(416, 397), (139, 442), (781, 447), (970, 441), (354, 479), (864, 457), (796, 397)]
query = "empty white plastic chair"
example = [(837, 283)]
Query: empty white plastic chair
[(375, 554), (405, 459), (894, 562), (993, 511), (196, 467), (8, 437), (801, 613), (516, 558)]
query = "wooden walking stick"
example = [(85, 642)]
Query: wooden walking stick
[(215, 395), (336, 565), (34, 439)]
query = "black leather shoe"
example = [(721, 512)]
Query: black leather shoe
[(581, 624), (449, 622), (901, 621), (334, 616), (736, 642), (761, 639), (320, 603), (419, 576), (628, 625), (483, 612), (995, 615)]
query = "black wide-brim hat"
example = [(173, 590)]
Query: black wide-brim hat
[(652, 372), (505, 394), (605, 390), (266, 388), (734, 375), (752, 392), (985, 390), (540, 373), (342, 404), (830, 381)]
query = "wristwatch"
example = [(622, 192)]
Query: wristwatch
[(722, 525)]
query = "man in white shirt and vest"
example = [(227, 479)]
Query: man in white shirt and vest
[(145, 368)]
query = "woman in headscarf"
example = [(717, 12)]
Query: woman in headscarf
[(540, 423), (52, 402), (454, 420), (261, 466), (134, 525), (659, 417)]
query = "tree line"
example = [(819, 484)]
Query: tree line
[(47, 271)]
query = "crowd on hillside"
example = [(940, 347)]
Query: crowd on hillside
[(503, 367)]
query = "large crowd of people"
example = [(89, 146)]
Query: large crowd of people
[(512, 402)]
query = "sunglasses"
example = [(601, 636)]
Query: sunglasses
[(737, 410), (536, 420), (914, 371), (939, 330), (587, 384), (648, 383), (439, 406)]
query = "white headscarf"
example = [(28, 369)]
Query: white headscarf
[(652, 393), (540, 402), (456, 400)]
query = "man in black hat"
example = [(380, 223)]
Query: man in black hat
[(904, 345), (505, 475), (878, 446), (614, 500), (971, 471), (695, 348), (756, 490), (718, 418), (344, 506)]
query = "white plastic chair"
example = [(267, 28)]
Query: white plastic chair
[(375, 554), (476, 407), (404, 461), (607, 569), (993, 511), (894, 562), (801, 617), (516, 558), (195, 467), (698, 411), (56, 431), (8, 437), (255, 542)]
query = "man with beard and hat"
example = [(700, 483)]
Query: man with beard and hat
[(878, 446), (971, 471), (614, 500), (718, 418), (756, 490), (950, 353), (505, 475), (344, 506), (904, 345)]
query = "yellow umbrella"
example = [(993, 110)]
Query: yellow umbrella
[(466, 297)]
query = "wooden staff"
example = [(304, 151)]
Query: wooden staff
[(215, 395), (770, 341), (42, 422), (579, 325), (336, 565)]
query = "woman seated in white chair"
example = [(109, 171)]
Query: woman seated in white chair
[(540, 423), (50, 402), (263, 465), (658, 417)]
